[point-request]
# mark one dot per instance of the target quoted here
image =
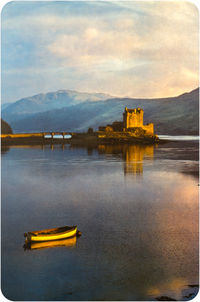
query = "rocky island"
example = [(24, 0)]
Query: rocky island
[(130, 130)]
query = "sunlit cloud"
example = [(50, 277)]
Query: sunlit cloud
[(140, 49)]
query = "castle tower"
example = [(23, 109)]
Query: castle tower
[(133, 118)]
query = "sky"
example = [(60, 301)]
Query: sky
[(140, 49)]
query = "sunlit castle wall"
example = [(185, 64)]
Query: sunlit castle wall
[(149, 128), (133, 118)]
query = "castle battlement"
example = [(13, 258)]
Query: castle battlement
[(135, 110)]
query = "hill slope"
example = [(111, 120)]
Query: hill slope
[(177, 115)]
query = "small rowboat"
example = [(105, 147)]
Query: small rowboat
[(52, 234)]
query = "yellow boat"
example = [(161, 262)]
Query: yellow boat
[(52, 234)]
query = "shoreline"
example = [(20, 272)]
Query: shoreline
[(83, 139), (188, 292)]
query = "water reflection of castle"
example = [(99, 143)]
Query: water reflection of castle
[(134, 158), (133, 155)]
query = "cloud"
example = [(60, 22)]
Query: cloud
[(137, 48)]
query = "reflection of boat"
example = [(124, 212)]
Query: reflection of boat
[(52, 234), (69, 242)]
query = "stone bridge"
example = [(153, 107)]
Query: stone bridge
[(37, 135)]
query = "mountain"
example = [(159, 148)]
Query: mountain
[(5, 128), (176, 115), (50, 101), (3, 106)]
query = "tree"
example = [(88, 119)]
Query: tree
[(5, 128)]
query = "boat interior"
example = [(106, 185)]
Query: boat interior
[(53, 231)]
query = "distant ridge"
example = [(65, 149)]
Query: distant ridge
[(72, 111), (52, 100)]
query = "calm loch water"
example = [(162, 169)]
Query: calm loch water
[(137, 209)]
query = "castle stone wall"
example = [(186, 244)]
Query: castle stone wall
[(133, 118), (149, 128)]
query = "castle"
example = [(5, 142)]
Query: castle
[(132, 120)]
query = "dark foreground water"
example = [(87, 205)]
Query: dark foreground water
[(137, 209)]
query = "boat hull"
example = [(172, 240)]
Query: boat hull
[(52, 234)]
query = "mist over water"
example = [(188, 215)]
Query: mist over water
[(137, 209), (180, 137)]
